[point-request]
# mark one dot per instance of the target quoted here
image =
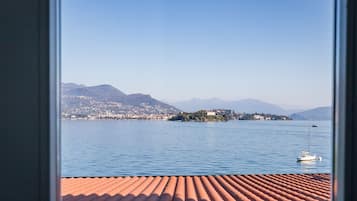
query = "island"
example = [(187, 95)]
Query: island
[(205, 116), (223, 115), (262, 116)]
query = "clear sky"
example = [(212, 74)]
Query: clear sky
[(278, 51)]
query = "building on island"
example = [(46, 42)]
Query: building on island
[(258, 117), (211, 113)]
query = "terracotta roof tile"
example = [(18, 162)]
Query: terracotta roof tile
[(282, 187)]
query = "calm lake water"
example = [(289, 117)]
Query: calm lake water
[(139, 147)]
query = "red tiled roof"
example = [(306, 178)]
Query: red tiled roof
[(283, 187)]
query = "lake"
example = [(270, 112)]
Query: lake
[(144, 147)]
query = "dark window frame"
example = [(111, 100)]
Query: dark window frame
[(345, 102)]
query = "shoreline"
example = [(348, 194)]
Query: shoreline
[(294, 120)]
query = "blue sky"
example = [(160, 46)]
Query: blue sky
[(278, 51)]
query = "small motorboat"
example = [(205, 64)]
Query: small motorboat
[(306, 156), (314, 126)]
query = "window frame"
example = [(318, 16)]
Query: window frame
[(55, 100), (344, 175)]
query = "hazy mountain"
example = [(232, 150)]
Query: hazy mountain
[(319, 113), (244, 105), (94, 100), (69, 86), (101, 92)]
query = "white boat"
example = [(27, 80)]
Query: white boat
[(306, 156)]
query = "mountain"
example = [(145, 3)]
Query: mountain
[(97, 100), (319, 113), (103, 92), (69, 86), (103, 99), (244, 105)]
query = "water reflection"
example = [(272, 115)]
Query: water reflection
[(308, 166)]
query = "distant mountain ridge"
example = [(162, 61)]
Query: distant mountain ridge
[(69, 86), (79, 99), (101, 92), (319, 113), (244, 105), (103, 99)]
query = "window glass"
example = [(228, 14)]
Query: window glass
[(191, 88)]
